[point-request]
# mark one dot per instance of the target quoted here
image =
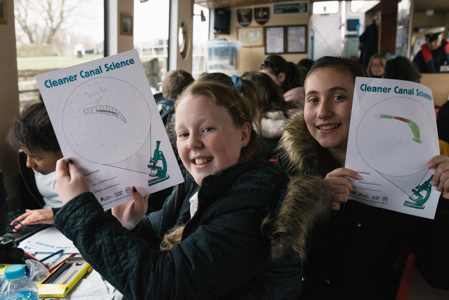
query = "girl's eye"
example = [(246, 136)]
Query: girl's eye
[(183, 135), (312, 100), (338, 97), (208, 129)]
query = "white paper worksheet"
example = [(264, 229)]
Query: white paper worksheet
[(392, 136), (106, 120)]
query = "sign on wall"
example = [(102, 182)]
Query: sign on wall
[(291, 8)]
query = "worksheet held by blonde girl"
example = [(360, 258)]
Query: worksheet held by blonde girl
[(392, 136), (106, 120)]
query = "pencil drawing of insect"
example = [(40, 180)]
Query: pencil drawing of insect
[(105, 110)]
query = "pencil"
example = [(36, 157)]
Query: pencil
[(53, 274), (55, 267), (34, 258), (30, 256), (51, 255), (66, 267)]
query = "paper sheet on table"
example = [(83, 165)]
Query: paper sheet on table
[(392, 136), (106, 120), (48, 240)]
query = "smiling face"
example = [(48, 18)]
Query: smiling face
[(327, 108), (41, 161), (208, 140)]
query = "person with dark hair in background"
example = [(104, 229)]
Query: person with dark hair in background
[(33, 135), (306, 63), (402, 68), (172, 85), (272, 112), (434, 53), (286, 75)]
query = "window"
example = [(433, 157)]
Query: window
[(362, 6), (200, 37), (325, 7), (54, 34), (151, 23)]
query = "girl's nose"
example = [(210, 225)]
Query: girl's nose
[(194, 141), (30, 162), (324, 110)]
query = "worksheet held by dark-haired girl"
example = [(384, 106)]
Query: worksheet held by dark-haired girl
[(106, 120), (392, 136)]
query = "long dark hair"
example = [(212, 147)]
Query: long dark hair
[(276, 64), (269, 97)]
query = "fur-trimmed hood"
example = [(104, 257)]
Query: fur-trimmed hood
[(307, 199), (273, 122), (300, 153)]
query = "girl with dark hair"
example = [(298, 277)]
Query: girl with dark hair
[(351, 254), (402, 68), (272, 112), (286, 75)]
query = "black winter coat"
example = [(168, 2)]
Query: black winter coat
[(224, 253), (351, 254)]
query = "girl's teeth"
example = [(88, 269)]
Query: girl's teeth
[(200, 161), (328, 127)]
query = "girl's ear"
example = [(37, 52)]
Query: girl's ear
[(246, 134), (281, 76)]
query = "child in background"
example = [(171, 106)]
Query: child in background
[(376, 66), (213, 243), (286, 76), (173, 84), (272, 112), (351, 254), (33, 134)]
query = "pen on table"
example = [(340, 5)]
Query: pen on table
[(34, 258), (51, 255)]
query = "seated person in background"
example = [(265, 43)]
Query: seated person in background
[(305, 63), (376, 65), (434, 53), (33, 134), (286, 75), (272, 112), (172, 85), (207, 242), (402, 68)]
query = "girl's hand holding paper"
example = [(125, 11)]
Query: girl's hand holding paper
[(69, 181), (130, 213), (441, 176)]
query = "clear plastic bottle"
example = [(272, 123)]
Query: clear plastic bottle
[(17, 285)]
